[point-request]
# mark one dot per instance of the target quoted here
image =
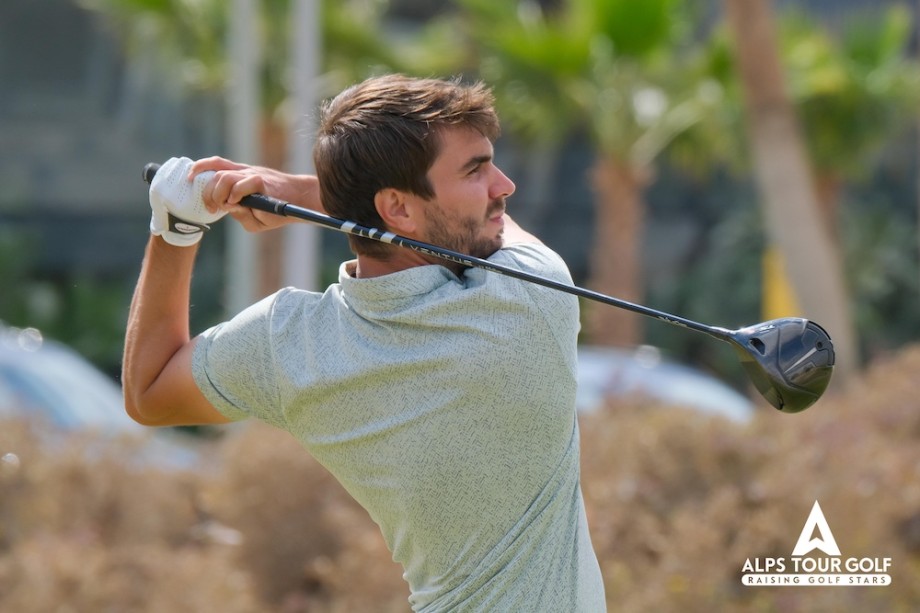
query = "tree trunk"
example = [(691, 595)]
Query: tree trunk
[(784, 177), (270, 245), (827, 191), (616, 262)]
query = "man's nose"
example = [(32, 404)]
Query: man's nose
[(502, 187)]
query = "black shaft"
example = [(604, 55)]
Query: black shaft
[(279, 207)]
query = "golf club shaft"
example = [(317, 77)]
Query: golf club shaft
[(286, 209)]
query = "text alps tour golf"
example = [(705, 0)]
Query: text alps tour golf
[(828, 570), (817, 571)]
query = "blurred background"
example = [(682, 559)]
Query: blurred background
[(728, 161)]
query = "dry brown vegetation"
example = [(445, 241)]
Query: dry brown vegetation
[(676, 503)]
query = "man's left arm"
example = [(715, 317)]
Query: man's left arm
[(233, 181), (515, 234)]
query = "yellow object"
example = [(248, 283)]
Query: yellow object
[(779, 299)]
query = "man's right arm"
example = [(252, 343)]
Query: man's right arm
[(159, 388)]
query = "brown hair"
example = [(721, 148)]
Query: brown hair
[(384, 133)]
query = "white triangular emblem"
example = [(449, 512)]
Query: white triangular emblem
[(825, 539)]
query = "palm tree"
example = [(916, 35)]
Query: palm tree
[(619, 71), (855, 92), (185, 42), (784, 175), (852, 93)]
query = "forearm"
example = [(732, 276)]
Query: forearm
[(302, 190), (158, 320), (233, 181)]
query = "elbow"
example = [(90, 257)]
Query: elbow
[(138, 404), (149, 414), (137, 411), (132, 393)]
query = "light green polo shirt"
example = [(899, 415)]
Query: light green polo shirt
[(445, 406)]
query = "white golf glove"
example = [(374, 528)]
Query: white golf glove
[(179, 215)]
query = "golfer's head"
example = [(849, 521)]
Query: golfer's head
[(384, 133)]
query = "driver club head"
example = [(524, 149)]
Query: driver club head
[(789, 360)]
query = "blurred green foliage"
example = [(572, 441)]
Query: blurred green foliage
[(856, 88), (89, 311)]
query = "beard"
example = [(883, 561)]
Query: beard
[(465, 234)]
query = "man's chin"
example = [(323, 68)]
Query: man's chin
[(490, 249)]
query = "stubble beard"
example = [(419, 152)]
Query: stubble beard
[(464, 234)]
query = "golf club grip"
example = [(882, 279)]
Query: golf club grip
[(150, 170), (279, 207), (255, 201)]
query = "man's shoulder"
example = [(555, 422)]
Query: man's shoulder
[(536, 258)]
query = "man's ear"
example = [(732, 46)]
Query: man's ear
[(395, 211)]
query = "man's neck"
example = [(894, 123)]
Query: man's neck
[(401, 259)]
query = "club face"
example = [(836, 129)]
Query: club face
[(790, 361)]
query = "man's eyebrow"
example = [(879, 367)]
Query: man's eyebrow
[(476, 161)]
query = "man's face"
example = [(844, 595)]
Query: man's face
[(467, 211)]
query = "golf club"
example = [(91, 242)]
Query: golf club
[(789, 360)]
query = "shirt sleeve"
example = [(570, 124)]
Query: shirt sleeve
[(559, 310), (233, 362), (537, 259)]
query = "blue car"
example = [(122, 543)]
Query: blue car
[(606, 372), (48, 383)]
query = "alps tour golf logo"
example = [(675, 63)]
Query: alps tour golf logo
[(804, 569)]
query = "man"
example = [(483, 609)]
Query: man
[(441, 398)]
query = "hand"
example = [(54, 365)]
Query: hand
[(230, 182), (179, 215)]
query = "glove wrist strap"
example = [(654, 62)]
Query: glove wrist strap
[(181, 226)]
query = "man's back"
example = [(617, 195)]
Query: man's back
[(445, 407)]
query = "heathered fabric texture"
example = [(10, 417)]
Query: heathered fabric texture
[(445, 406)]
